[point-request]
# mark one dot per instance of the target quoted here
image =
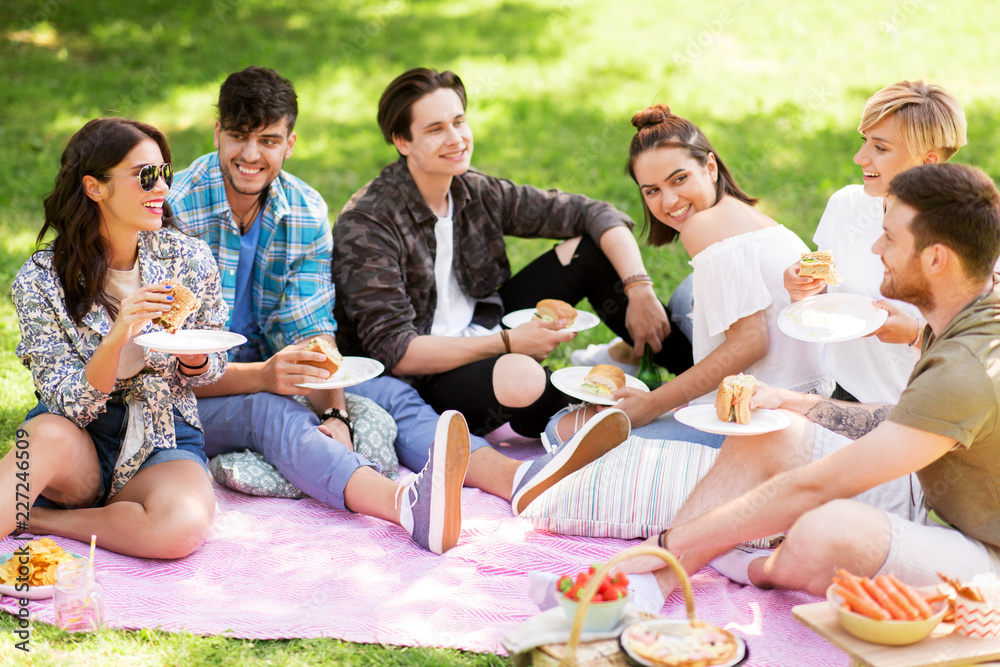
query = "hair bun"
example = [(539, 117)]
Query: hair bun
[(650, 116)]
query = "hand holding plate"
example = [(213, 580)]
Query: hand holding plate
[(537, 338), (637, 404), (899, 327), (765, 396)]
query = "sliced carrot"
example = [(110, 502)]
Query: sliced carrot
[(862, 606), (914, 596), (884, 600), (883, 582), (853, 584)]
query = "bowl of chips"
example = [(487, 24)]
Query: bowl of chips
[(39, 560)]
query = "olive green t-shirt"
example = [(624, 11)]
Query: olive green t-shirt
[(954, 391)]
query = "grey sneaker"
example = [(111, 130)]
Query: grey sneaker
[(605, 431), (434, 494)]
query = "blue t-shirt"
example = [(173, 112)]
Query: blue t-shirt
[(242, 321)]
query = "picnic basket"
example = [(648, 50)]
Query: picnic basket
[(607, 652)]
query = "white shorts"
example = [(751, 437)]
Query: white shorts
[(919, 547)]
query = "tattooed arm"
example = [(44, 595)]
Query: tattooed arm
[(851, 420)]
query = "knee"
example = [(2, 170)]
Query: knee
[(816, 544), (566, 249), (57, 435), (518, 380), (185, 528)]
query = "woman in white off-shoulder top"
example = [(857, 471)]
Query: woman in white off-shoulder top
[(738, 254)]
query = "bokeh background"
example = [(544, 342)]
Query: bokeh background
[(777, 87)]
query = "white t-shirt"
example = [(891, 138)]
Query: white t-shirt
[(738, 277), (454, 310), (873, 371), (118, 285)]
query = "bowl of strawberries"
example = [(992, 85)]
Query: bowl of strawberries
[(605, 609)]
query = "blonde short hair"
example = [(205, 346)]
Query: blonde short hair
[(929, 118)]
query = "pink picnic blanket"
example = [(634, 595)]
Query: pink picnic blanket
[(275, 568)]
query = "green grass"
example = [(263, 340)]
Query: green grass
[(552, 85)]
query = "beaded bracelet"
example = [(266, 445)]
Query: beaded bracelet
[(920, 334)]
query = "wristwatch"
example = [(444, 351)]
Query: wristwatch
[(337, 413)]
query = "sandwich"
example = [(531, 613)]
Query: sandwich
[(184, 303), (604, 379), (732, 403), (819, 264), (333, 360), (553, 310)]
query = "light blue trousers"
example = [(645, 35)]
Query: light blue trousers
[(286, 433)]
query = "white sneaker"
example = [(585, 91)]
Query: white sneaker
[(735, 564), (600, 354)]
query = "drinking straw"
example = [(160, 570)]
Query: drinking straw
[(93, 543)]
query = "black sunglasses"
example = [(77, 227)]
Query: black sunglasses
[(150, 174)]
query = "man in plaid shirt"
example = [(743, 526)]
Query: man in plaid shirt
[(270, 234)]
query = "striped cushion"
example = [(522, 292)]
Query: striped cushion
[(633, 491)]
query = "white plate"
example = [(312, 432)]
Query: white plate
[(704, 418), (570, 382), (354, 370), (672, 627), (33, 592), (190, 341), (831, 318), (583, 321)]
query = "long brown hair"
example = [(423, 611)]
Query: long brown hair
[(80, 256), (657, 128)]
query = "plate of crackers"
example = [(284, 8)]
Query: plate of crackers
[(39, 558), (666, 643)]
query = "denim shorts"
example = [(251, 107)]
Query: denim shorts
[(108, 434)]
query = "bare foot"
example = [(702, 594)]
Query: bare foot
[(643, 564), (666, 580)]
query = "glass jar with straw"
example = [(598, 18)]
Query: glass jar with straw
[(77, 595)]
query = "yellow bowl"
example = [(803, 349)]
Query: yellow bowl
[(890, 633), (600, 616)]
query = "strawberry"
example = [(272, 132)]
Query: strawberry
[(564, 584), (620, 578)]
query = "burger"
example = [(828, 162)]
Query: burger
[(732, 403), (553, 310)]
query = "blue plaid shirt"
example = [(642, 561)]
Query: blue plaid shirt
[(292, 290)]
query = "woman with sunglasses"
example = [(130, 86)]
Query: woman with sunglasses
[(114, 446)]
